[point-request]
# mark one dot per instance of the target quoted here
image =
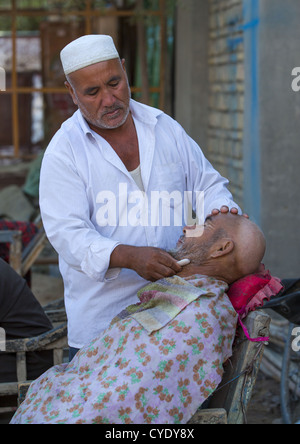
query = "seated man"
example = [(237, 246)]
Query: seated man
[(21, 316), (165, 358)]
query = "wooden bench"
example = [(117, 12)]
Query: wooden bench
[(229, 403), (55, 340)]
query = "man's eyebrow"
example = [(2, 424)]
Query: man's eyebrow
[(114, 79)]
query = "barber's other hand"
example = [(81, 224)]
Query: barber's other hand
[(224, 209), (150, 263)]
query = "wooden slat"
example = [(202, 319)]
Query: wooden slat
[(22, 261), (21, 366), (58, 354), (8, 388), (30, 255), (209, 416)]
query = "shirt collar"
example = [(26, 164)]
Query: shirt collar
[(83, 123), (143, 113)]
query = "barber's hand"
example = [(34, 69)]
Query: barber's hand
[(150, 263), (154, 264), (224, 209)]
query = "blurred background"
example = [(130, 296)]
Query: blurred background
[(222, 68)]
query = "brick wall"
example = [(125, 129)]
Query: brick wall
[(226, 92)]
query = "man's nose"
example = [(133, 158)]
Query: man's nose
[(187, 228), (193, 230), (107, 98)]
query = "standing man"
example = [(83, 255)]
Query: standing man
[(107, 178)]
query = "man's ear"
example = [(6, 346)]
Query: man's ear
[(222, 247), (70, 89), (123, 63)]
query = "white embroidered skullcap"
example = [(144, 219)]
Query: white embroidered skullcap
[(86, 51)]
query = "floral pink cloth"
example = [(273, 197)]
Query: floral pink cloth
[(128, 376)]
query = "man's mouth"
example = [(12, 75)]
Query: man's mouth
[(113, 113)]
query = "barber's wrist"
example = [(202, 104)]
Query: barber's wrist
[(123, 256)]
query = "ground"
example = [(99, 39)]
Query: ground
[(265, 403), (47, 288)]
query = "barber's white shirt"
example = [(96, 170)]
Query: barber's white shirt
[(90, 203)]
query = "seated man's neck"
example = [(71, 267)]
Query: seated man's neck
[(209, 268)]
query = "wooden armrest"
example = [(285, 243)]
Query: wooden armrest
[(209, 416), (32, 251), (46, 341)]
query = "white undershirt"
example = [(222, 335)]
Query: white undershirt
[(137, 177)]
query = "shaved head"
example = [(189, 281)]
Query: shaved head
[(250, 246)]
